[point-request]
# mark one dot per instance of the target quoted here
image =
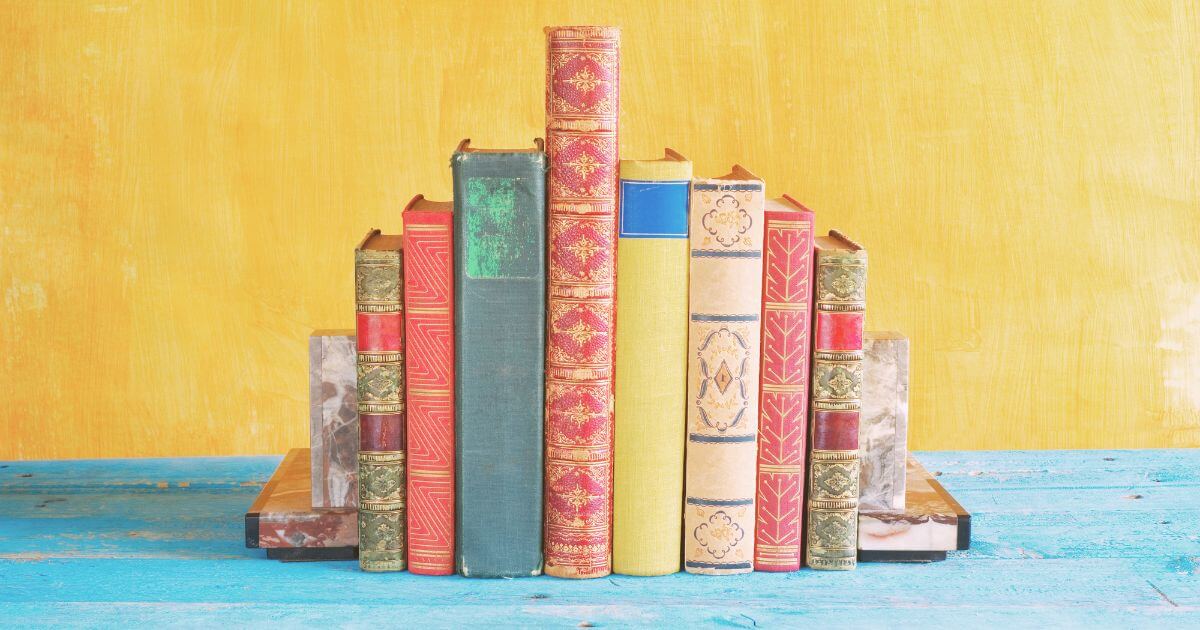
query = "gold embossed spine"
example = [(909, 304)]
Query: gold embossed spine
[(837, 378), (378, 286)]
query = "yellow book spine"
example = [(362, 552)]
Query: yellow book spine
[(651, 365)]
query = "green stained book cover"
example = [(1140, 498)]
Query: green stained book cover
[(500, 305)]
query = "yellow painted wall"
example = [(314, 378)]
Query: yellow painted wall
[(181, 185)]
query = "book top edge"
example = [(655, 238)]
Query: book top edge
[(787, 206), (375, 241), (583, 32), (662, 169), (839, 243), (539, 146), (420, 204)]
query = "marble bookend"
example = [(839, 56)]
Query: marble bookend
[(883, 425), (333, 418), (282, 521), (931, 524)]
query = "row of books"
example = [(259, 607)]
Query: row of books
[(546, 383), (712, 352)]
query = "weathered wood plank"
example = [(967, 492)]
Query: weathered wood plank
[(150, 473), (1113, 468), (1057, 541), (536, 615), (960, 581)]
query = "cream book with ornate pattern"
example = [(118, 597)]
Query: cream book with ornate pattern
[(726, 234)]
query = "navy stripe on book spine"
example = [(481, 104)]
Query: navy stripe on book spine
[(718, 565), (707, 317), (719, 502), (699, 186), (717, 253), (719, 439)]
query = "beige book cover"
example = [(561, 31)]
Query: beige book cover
[(726, 234)]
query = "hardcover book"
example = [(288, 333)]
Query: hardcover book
[(726, 239), (429, 395), (581, 142), (333, 418), (500, 284), (883, 425), (651, 365), (841, 290), (378, 284), (783, 404)]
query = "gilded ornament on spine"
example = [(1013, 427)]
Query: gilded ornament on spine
[(581, 142), (837, 395), (381, 499), (783, 415), (429, 395), (724, 335)]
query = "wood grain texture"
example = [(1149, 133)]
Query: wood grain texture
[(180, 185), (1058, 541)]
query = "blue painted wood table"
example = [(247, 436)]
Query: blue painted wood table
[(1080, 538)]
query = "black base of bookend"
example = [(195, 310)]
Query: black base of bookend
[(312, 554), (901, 556)]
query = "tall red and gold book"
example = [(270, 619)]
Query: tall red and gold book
[(581, 141), (379, 295), (429, 395), (783, 403), (837, 376)]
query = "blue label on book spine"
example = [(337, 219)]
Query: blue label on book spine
[(651, 209)]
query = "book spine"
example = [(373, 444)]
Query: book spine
[(500, 310), (651, 367), (581, 141), (783, 416), (429, 396), (837, 377), (723, 363), (380, 343)]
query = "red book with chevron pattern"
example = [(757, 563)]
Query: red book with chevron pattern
[(429, 364), (783, 403)]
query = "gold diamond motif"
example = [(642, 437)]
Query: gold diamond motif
[(578, 497), (841, 384), (584, 165), (583, 249), (844, 284), (580, 333), (584, 81), (578, 415), (837, 483), (723, 377)]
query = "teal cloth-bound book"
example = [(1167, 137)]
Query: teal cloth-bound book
[(500, 310)]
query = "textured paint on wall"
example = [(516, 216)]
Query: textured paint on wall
[(182, 186)]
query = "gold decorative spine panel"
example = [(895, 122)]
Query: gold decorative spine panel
[(837, 381), (378, 290), (381, 516)]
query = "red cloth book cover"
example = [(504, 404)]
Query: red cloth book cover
[(429, 368), (783, 402), (837, 379), (581, 142)]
